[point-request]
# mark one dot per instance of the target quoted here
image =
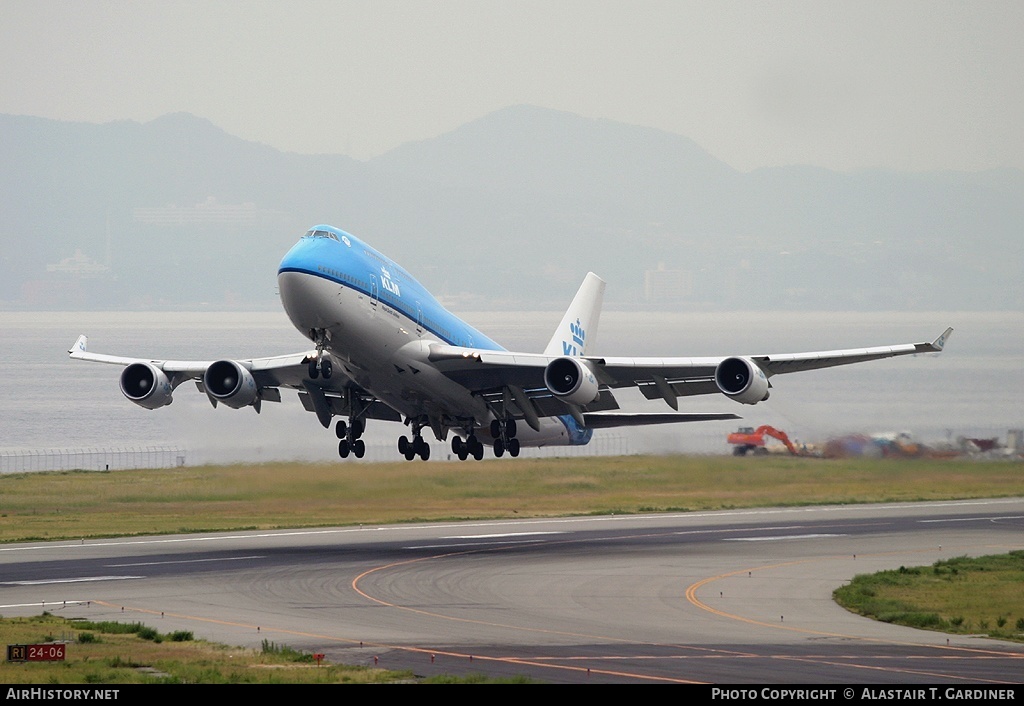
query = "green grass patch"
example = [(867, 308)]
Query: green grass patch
[(132, 653), (964, 595), (73, 505)]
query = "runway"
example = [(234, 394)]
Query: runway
[(731, 597)]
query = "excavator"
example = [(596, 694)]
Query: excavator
[(748, 439)]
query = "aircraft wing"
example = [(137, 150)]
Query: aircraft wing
[(489, 372), (277, 371), (336, 395), (696, 376)]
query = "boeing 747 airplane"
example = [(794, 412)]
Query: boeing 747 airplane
[(386, 349)]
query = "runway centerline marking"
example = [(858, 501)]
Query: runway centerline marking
[(973, 519), (79, 579), (186, 561), (499, 536), (781, 537), (455, 545)]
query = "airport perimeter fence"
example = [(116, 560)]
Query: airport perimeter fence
[(20, 461), (111, 459)]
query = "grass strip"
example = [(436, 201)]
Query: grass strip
[(132, 653), (964, 595), (84, 504)]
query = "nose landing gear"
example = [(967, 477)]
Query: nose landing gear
[(321, 365)]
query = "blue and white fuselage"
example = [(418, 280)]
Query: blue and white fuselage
[(378, 323)]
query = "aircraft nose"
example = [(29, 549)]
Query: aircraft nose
[(298, 258)]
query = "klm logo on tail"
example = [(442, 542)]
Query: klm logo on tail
[(578, 336)]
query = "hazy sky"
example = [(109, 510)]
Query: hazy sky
[(846, 85)]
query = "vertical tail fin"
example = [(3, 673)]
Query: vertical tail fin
[(579, 325)]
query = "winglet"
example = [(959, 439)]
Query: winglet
[(939, 343), (80, 345)]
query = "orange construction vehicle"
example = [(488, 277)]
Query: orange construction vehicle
[(748, 439)]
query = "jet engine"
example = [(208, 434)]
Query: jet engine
[(228, 382), (146, 385), (742, 380), (571, 380)]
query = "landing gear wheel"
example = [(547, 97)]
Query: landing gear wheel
[(510, 428), (340, 429), (419, 447), (499, 448), (459, 448), (513, 448), (404, 447), (314, 371), (358, 426), (326, 368), (343, 448), (359, 448), (495, 429)]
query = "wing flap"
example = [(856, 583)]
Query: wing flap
[(337, 405)]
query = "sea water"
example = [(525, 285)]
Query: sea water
[(50, 404)]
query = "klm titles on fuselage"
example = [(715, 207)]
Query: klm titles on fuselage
[(578, 336), (387, 283)]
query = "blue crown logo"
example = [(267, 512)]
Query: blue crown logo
[(578, 334)]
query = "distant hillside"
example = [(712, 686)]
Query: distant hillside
[(510, 210)]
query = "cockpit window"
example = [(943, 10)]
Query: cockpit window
[(321, 234)]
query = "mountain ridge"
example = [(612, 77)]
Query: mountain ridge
[(510, 209)]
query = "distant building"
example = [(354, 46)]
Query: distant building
[(79, 265), (664, 285)]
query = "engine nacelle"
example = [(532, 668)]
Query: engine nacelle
[(146, 385), (571, 380), (228, 382), (742, 380)]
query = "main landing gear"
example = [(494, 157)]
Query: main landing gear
[(414, 448), (502, 430), (504, 433), (349, 441), (470, 447)]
